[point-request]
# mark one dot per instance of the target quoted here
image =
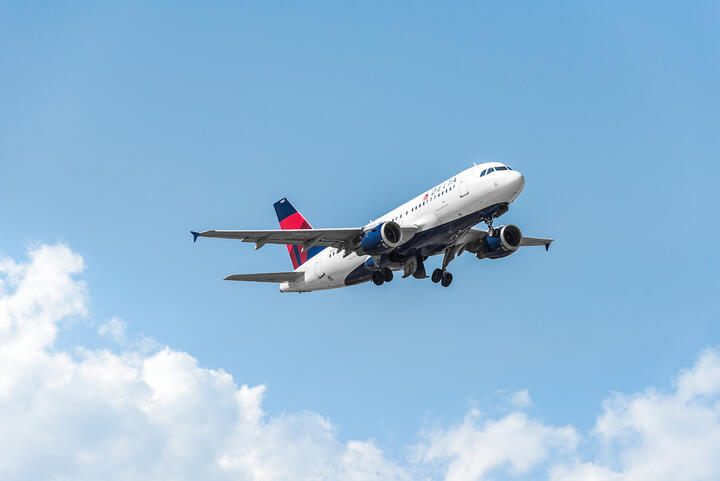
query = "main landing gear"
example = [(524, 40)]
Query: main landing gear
[(382, 276), (442, 275)]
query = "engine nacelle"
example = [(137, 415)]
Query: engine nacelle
[(381, 238), (503, 244)]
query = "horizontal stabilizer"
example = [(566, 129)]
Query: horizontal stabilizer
[(267, 277)]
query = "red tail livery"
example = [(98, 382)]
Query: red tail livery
[(290, 218)]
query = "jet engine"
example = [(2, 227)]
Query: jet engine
[(506, 241), (381, 238)]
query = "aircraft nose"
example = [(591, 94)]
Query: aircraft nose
[(517, 181)]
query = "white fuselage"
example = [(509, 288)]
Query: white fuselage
[(457, 197)]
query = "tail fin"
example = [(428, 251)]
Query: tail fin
[(290, 218)]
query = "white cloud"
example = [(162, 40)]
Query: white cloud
[(660, 436), (155, 413), (103, 415), (521, 399), (702, 380), (114, 329), (473, 449)]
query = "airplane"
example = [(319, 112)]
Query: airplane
[(438, 221)]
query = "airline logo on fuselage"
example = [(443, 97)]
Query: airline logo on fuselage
[(440, 188)]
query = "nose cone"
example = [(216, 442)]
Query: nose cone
[(516, 183)]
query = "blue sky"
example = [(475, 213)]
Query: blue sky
[(124, 126)]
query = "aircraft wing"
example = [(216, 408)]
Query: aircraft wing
[(267, 277), (535, 241), (340, 238)]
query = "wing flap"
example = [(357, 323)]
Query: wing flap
[(267, 277)]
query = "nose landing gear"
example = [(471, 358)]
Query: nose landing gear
[(500, 210), (491, 232)]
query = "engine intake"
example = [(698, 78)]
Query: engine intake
[(503, 244), (381, 238)]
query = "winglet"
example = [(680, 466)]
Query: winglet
[(195, 235), (547, 245)]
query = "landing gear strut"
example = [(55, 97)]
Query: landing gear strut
[(501, 209), (491, 231), (442, 275)]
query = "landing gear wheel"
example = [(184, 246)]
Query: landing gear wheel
[(387, 275), (437, 275), (378, 278), (446, 279)]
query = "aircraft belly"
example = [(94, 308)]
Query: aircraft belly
[(443, 235), (327, 274), (339, 270)]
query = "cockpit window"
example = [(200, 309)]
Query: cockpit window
[(502, 167), (491, 169), (483, 172)]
